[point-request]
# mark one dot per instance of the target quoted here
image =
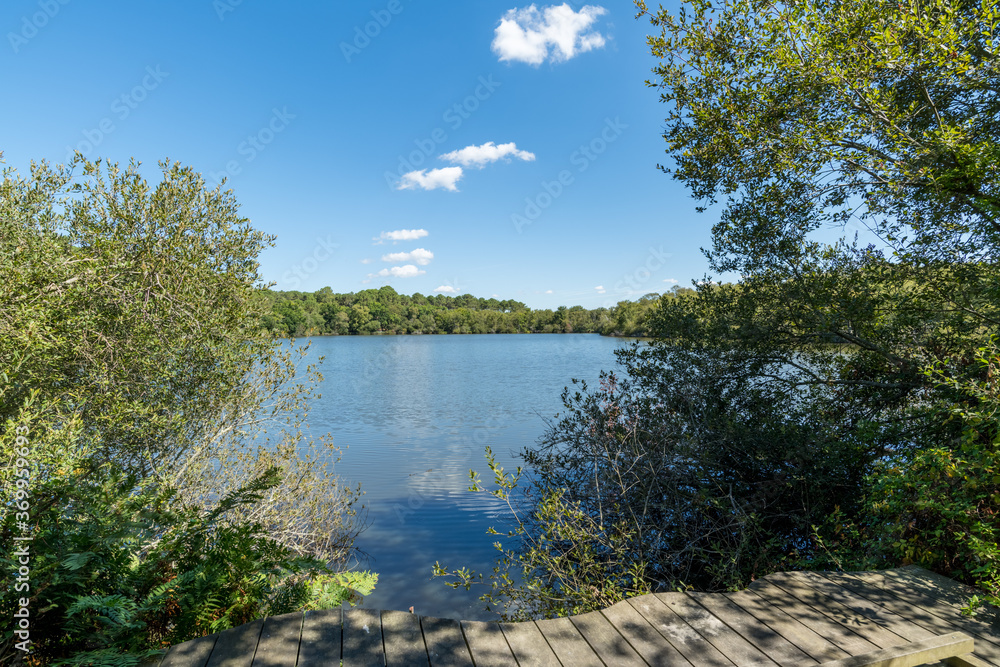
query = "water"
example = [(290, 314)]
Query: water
[(413, 415)]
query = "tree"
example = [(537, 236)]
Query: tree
[(801, 116), (836, 378), (133, 355)]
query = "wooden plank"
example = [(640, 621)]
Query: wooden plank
[(967, 660), (954, 593), (950, 593), (445, 642), (321, 638), (695, 648), (812, 618), (877, 613), (528, 644), (862, 623), (194, 653), (279, 641), (362, 639), (567, 643), (487, 644), (606, 641), (402, 639), (769, 642), (810, 642), (642, 636), (912, 654), (235, 647), (724, 638), (921, 609)]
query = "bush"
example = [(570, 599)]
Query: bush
[(135, 382)]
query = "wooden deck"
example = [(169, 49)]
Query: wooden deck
[(791, 618)]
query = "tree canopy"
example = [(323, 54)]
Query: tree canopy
[(838, 405), (135, 377)]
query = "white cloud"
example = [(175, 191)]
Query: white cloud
[(446, 289), (480, 156), (367, 260), (405, 271), (431, 179), (556, 32), (548, 291), (401, 235), (600, 289), (420, 256), (671, 281)]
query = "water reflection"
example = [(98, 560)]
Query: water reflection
[(413, 415)]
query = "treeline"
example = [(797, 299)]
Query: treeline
[(385, 311)]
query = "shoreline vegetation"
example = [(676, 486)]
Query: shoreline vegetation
[(383, 311), (148, 503)]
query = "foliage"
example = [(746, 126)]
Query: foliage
[(132, 352), (565, 561), (387, 312), (686, 472), (938, 508), (836, 385)]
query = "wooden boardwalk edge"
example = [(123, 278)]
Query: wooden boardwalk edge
[(894, 618)]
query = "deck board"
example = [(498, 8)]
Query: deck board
[(445, 642), (487, 644), (236, 647), (788, 618), (861, 623), (920, 609), (766, 640), (788, 627), (606, 641), (406, 643), (321, 638), (642, 636), (877, 613), (825, 626), (528, 644), (695, 648), (570, 647), (362, 639), (279, 641), (730, 644), (194, 653)]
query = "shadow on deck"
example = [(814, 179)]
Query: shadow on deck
[(896, 618)]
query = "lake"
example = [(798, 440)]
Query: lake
[(412, 415)]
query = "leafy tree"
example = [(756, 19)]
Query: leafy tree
[(133, 355), (835, 379)]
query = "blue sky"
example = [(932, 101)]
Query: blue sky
[(485, 147)]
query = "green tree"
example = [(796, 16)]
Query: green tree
[(358, 318), (133, 354), (837, 377)]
